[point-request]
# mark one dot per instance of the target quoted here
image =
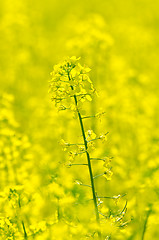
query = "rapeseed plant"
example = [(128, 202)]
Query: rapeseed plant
[(17, 188), (70, 88)]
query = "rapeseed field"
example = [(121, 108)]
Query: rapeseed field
[(79, 117)]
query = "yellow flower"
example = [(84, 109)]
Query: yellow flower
[(108, 173), (70, 79)]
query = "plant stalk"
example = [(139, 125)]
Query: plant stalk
[(25, 234), (89, 165), (23, 225), (88, 160), (145, 223)]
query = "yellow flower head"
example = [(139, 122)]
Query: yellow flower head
[(70, 79)]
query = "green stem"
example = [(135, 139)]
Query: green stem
[(145, 223), (88, 160), (25, 234), (89, 164), (58, 210), (23, 225)]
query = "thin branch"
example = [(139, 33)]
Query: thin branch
[(97, 138), (102, 214), (99, 175), (115, 197), (88, 117), (121, 211), (145, 223), (78, 164), (73, 144)]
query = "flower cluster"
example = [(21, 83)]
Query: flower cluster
[(8, 229), (70, 79)]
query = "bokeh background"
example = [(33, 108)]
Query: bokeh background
[(119, 41)]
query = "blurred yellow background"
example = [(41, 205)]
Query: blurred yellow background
[(119, 41)]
